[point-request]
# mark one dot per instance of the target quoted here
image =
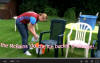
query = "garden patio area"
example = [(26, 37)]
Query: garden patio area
[(9, 36)]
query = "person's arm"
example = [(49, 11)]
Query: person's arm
[(32, 30), (31, 27)]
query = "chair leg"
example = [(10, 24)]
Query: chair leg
[(86, 53), (48, 50), (56, 52), (72, 49), (67, 51), (92, 53), (15, 26), (62, 52), (39, 52)]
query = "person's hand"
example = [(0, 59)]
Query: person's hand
[(36, 37)]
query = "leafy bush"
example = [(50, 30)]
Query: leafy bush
[(50, 11), (70, 14), (32, 5)]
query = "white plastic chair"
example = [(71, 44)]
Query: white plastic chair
[(15, 17), (79, 41)]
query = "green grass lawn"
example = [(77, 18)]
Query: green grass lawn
[(9, 36)]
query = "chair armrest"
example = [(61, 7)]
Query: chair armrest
[(94, 42), (45, 32), (41, 35), (60, 39), (61, 35)]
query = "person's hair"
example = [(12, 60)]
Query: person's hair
[(44, 15)]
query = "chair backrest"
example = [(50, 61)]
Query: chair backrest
[(57, 28), (81, 29)]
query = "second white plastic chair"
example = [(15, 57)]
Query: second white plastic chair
[(80, 36)]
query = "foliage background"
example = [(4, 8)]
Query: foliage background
[(60, 7)]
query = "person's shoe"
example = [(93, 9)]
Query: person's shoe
[(28, 53)]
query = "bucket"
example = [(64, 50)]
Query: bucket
[(42, 48), (89, 19)]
